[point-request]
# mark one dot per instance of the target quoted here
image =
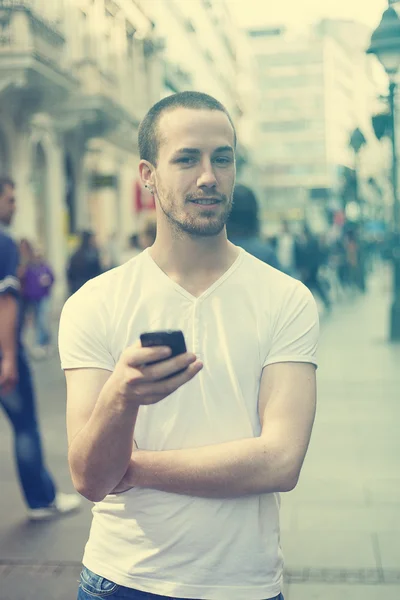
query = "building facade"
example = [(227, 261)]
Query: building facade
[(313, 89), (76, 77), (200, 53)]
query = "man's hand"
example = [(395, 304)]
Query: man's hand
[(8, 375), (145, 376)]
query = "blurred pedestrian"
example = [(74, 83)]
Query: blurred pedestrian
[(37, 279), (212, 435), (84, 264), (16, 386), (286, 243), (243, 226), (111, 252), (132, 248), (148, 232), (25, 256), (355, 259), (309, 258)]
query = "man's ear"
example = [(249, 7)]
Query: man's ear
[(146, 171)]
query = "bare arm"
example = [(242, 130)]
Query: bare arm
[(100, 432), (269, 463), (102, 408), (8, 325), (8, 342)]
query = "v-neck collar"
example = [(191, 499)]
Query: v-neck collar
[(182, 290)]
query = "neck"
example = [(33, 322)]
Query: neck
[(186, 255)]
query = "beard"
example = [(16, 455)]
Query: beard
[(207, 223)]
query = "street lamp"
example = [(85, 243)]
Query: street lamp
[(356, 142), (385, 44)]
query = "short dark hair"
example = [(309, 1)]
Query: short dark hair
[(149, 142), (4, 182), (244, 217)]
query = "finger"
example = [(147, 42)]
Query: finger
[(167, 368), (138, 356), (157, 391)]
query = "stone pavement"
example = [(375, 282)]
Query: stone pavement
[(340, 526)]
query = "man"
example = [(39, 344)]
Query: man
[(185, 469), (16, 387), (243, 226)]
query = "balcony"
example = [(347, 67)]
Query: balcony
[(31, 50), (96, 107), (175, 78)]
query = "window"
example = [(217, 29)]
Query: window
[(292, 58), (130, 40), (189, 26), (292, 81), (208, 56), (285, 125), (85, 35), (257, 33)]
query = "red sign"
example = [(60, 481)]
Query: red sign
[(142, 199)]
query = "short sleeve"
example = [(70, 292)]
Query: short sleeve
[(83, 338), (9, 261), (296, 332)]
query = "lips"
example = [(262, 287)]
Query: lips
[(206, 201)]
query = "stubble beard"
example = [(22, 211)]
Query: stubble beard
[(207, 225)]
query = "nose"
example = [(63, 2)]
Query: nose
[(207, 177)]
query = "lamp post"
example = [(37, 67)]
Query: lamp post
[(385, 44), (357, 141)]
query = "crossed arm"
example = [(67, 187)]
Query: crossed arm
[(269, 463)]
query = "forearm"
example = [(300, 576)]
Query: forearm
[(231, 470), (8, 325), (100, 454)]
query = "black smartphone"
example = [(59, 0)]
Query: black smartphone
[(173, 339)]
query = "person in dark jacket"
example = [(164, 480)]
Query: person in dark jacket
[(17, 394), (84, 264), (309, 258), (243, 226)]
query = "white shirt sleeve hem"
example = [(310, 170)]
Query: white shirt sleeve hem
[(290, 358), (86, 365)]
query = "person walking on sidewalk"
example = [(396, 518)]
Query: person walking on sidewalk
[(36, 283), (309, 259), (85, 263), (16, 386), (243, 226), (185, 457)]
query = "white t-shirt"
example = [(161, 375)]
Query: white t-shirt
[(253, 316)]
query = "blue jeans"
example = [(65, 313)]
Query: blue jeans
[(19, 406), (94, 586), (41, 312), (40, 309)]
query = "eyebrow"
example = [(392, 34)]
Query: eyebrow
[(196, 151)]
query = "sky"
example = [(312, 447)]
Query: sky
[(302, 12)]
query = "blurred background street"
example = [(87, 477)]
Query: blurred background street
[(340, 526), (312, 89)]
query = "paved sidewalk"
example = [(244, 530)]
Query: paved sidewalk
[(340, 526)]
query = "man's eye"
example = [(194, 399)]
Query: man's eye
[(223, 160), (186, 160)]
